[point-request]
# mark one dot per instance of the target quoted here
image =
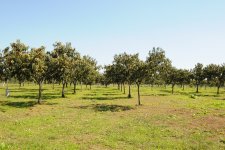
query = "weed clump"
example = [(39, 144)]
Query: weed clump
[(193, 96)]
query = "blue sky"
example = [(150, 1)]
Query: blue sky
[(190, 31)]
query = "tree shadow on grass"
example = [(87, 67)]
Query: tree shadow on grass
[(110, 94), (105, 107), (23, 90), (3, 102), (34, 96), (112, 108), (24, 104), (186, 93), (153, 94), (2, 110), (21, 104), (103, 98), (93, 94)]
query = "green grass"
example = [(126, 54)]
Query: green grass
[(103, 118)]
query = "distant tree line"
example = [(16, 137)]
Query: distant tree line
[(157, 69), (64, 65)]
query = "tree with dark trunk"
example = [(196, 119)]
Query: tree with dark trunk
[(198, 75), (139, 74), (62, 56), (158, 65), (173, 77), (38, 68), (215, 75), (124, 64)]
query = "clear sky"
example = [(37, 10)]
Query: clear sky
[(190, 31)]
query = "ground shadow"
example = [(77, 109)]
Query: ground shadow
[(103, 98), (24, 90), (47, 103), (112, 108), (34, 96), (111, 94), (186, 93), (21, 104), (3, 102), (25, 104), (158, 94), (106, 107), (2, 110), (91, 94)]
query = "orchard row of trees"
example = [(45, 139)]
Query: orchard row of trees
[(62, 65), (158, 70), (65, 65)]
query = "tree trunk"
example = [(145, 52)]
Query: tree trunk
[(218, 90), (197, 89), (121, 87), (152, 87), (74, 87), (90, 86), (39, 94), (7, 89), (129, 94), (63, 89), (172, 88), (53, 85), (81, 86), (139, 97), (183, 87), (124, 89), (118, 86)]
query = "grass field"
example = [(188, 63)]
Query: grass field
[(103, 118)]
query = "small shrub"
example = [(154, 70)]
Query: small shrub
[(193, 96)]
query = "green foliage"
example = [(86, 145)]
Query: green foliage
[(215, 75), (198, 75), (65, 65), (20, 61), (158, 66)]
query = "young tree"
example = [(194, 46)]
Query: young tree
[(158, 66), (7, 66), (126, 63), (20, 61), (116, 74), (38, 67), (139, 73), (210, 72), (183, 77), (62, 55), (173, 77), (198, 75), (220, 77), (51, 73), (90, 70), (1, 65), (76, 70), (215, 74), (104, 80)]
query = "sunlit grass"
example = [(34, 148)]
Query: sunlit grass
[(104, 118)]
